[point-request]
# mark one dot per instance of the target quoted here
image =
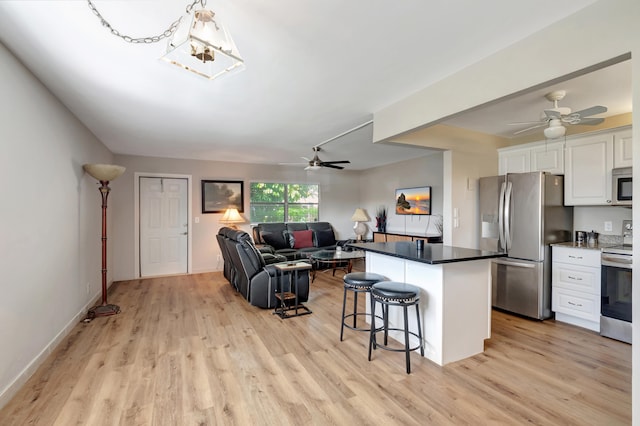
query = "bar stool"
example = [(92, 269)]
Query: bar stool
[(357, 282), (393, 293)]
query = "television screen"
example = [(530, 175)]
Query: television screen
[(413, 200)]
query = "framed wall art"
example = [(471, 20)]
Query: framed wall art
[(219, 195)]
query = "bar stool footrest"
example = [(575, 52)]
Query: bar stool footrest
[(392, 349)]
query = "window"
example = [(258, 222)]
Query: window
[(284, 202)]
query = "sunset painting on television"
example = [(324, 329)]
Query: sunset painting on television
[(413, 200)]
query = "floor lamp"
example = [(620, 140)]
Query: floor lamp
[(104, 173)]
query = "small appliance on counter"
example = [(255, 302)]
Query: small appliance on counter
[(581, 237), (592, 238)]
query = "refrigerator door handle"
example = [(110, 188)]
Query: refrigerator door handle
[(507, 216), (516, 264), (501, 216)]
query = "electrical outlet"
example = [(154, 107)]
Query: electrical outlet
[(608, 226)]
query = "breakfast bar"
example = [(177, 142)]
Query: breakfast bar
[(455, 298)]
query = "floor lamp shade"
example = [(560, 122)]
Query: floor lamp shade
[(104, 173)]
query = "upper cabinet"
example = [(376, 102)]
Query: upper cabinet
[(548, 157), (622, 149), (537, 157), (585, 161), (588, 165)]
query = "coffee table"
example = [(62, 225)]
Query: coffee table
[(334, 259)]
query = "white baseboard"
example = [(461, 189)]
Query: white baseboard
[(12, 389)]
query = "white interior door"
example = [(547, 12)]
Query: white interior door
[(163, 226)]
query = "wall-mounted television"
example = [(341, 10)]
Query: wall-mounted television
[(413, 200)]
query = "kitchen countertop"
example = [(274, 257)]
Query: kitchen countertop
[(433, 254), (571, 244)]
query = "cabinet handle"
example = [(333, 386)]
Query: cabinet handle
[(574, 278), (575, 257), (575, 304)]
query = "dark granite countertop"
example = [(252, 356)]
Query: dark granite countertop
[(586, 246), (433, 254)]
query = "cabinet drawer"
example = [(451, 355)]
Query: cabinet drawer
[(581, 305), (576, 277), (576, 256)]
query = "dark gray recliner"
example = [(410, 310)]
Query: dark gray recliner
[(256, 280)]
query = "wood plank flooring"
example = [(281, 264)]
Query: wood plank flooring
[(188, 350)]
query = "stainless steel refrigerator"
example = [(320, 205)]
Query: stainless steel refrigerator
[(521, 214)]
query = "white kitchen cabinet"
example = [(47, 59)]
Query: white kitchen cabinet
[(622, 142), (588, 164), (575, 286), (548, 157), (514, 160), (538, 156)]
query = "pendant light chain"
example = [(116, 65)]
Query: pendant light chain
[(153, 39)]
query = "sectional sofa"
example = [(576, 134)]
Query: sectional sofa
[(295, 240)]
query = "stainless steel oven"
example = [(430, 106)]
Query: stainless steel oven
[(616, 288)]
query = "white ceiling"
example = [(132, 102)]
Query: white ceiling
[(313, 70)]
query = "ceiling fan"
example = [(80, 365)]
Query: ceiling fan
[(555, 118), (315, 163)]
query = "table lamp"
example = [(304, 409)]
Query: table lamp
[(359, 216), (231, 218)]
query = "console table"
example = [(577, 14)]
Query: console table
[(389, 237)]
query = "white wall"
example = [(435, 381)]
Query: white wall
[(592, 218), (339, 198), (50, 223), (378, 185), (461, 214)]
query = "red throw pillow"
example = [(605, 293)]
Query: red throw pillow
[(302, 239)]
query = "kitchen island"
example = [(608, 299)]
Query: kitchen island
[(455, 297)]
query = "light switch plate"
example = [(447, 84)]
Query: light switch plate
[(608, 226)]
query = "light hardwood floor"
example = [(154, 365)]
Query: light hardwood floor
[(189, 350)]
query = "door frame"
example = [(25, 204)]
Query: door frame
[(136, 216)]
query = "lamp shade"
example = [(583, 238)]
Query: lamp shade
[(104, 172), (232, 216), (359, 216)]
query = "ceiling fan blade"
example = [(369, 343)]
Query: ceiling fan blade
[(336, 162), (332, 166), (591, 121), (594, 110), (530, 128), (552, 113), (521, 123)]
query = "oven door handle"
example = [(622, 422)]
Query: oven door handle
[(616, 261)]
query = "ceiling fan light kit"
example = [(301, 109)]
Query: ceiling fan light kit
[(555, 130)]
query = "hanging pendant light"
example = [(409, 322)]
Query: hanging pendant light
[(197, 42), (201, 44)]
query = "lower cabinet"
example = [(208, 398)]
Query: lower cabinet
[(575, 286)]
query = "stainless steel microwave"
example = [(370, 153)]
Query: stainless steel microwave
[(622, 186)]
